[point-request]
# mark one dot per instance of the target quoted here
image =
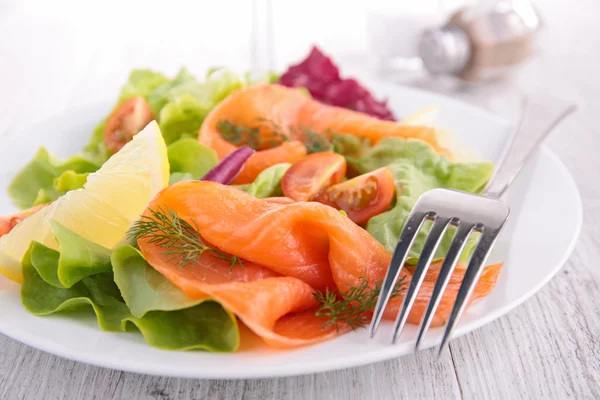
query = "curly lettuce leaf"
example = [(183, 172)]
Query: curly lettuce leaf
[(417, 168), (252, 78), (143, 288), (42, 178), (95, 147), (190, 157), (70, 180), (43, 297), (80, 258), (185, 102), (350, 145), (181, 118), (163, 94), (268, 182), (164, 316), (179, 177), (218, 85), (142, 82), (207, 326)]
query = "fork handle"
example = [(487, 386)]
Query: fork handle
[(541, 114)]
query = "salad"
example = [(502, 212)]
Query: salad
[(202, 205)]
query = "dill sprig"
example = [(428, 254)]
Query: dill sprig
[(182, 240), (314, 141), (252, 137), (354, 306), (273, 135)]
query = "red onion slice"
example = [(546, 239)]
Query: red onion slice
[(229, 167)]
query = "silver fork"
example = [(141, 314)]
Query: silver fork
[(469, 213)]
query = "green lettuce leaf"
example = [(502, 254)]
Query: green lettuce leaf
[(350, 145), (95, 147), (41, 297), (143, 288), (179, 177), (41, 178), (142, 82), (218, 85), (251, 78), (188, 156), (163, 94), (163, 314), (185, 102), (207, 326), (181, 118), (417, 168), (79, 258), (70, 180), (268, 182)]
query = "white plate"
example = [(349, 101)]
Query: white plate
[(544, 226)]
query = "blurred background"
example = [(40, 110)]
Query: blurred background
[(58, 54)]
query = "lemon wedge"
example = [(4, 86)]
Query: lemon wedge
[(102, 212), (426, 116)]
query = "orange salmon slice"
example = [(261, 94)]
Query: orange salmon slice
[(290, 251), (291, 110)]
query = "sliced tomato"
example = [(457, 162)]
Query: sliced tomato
[(362, 197), (8, 222), (312, 174), (125, 122)]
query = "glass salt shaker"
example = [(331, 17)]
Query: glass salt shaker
[(482, 42)]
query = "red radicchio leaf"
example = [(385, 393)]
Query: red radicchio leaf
[(321, 77)]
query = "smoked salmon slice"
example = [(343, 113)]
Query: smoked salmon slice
[(290, 251), (267, 106), (8, 222)]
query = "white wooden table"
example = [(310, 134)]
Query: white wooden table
[(56, 55)]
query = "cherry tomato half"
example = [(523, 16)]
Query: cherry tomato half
[(362, 197), (125, 122), (312, 174)]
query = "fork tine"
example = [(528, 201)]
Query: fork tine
[(431, 244), (456, 247), (478, 260), (407, 237)]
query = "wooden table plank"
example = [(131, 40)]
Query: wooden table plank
[(29, 373), (547, 348)]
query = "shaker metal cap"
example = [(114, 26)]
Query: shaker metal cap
[(445, 50)]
